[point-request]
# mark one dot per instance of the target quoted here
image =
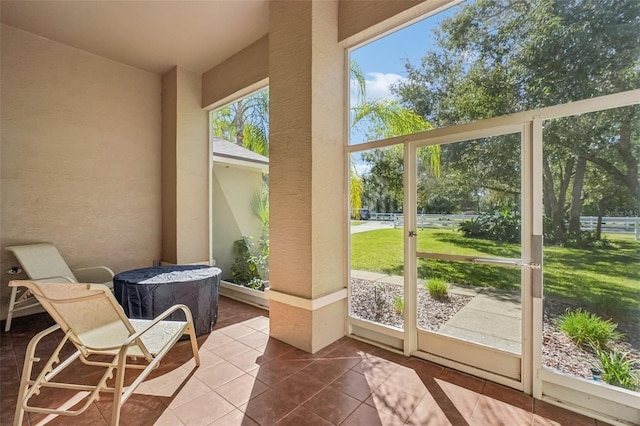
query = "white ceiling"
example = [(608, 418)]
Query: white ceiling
[(150, 35)]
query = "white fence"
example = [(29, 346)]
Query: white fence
[(610, 225)]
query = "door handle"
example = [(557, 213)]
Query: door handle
[(531, 265)]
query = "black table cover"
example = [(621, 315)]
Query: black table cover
[(147, 292)]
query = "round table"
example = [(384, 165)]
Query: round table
[(147, 292)]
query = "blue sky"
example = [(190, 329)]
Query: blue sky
[(382, 61)]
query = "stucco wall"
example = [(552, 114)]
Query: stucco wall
[(168, 169), (240, 74), (192, 168), (233, 189), (360, 20), (80, 155), (185, 164)]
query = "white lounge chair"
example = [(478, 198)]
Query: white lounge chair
[(43, 262), (93, 321)]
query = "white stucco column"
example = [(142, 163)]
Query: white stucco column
[(307, 174), (185, 169)]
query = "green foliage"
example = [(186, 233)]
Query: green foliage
[(398, 304), (385, 118), (356, 189), (383, 184), (496, 57), (247, 268), (568, 272), (501, 225), (617, 368), (382, 187), (245, 122), (437, 288), (379, 301), (586, 328), (586, 240), (473, 228), (610, 305)]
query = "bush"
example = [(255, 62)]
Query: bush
[(617, 369), (500, 225), (398, 304), (584, 327), (472, 228), (247, 267), (437, 288), (586, 240)]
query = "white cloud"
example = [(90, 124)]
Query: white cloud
[(377, 86), (362, 169)]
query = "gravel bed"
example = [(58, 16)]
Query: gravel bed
[(560, 353), (374, 301)]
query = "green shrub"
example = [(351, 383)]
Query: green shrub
[(584, 327), (617, 368), (437, 288), (247, 268), (398, 304), (472, 228), (499, 225)]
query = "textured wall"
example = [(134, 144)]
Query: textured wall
[(169, 161), (233, 190), (248, 67), (185, 169), (80, 155), (307, 172), (362, 19), (290, 154), (193, 160)]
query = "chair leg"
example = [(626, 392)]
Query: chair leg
[(19, 414), (12, 303), (194, 344), (117, 393), (29, 358)]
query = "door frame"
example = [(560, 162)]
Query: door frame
[(513, 370)]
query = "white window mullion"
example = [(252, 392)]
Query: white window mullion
[(410, 241)]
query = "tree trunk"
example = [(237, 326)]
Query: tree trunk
[(239, 123), (556, 201), (625, 150), (576, 198)]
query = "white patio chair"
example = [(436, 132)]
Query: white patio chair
[(93, 321), (43, 262)]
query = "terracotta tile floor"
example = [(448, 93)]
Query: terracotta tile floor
[(246, 378)]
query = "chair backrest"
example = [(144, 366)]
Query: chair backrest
[(42, 260), (89, 311)]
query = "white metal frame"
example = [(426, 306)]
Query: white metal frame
[(611, 404), (505, 367)]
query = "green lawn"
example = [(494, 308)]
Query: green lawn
[(611, 275)]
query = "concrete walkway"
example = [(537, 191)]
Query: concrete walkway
[(370, 225), (492, 317)]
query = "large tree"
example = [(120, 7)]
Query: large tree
[(245, 122), (495, 57)]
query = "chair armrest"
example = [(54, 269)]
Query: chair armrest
[(156, 320), (93, 274)]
